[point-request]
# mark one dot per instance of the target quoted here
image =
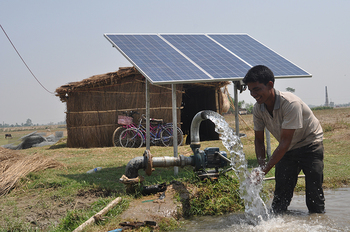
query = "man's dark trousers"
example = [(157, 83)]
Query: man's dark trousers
[(310, 160)]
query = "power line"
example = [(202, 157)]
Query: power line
[(24, 61)]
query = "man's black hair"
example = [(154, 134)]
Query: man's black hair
[(259, 73)]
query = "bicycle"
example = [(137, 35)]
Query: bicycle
[(127, 122), (161, 132), (132, 135), (167, 137)]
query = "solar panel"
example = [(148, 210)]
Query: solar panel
[(214, 59), (179, 58), (255, 53), (156, 59)]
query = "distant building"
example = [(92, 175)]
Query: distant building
[(242, 111)]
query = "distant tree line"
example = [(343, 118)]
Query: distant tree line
[(29, 123), (241, 105), (321, 108)]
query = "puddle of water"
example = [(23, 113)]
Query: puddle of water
[(337, 207), (297, 219)]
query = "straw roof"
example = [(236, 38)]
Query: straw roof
[(112, 78), (95, 81)]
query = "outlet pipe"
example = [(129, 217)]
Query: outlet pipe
[(196, 122)]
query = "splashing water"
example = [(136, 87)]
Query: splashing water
[(250, 183), (296, 220)]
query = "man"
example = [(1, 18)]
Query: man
[(300, 138)]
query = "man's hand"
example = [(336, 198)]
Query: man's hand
[(282, 148), (257, 176)]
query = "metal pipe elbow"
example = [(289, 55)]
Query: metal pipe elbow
[(133, 167), (196, 122)]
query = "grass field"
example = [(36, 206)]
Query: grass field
[(62, 198)]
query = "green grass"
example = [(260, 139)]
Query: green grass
[(215, 197)]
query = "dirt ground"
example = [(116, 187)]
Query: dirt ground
[(151, 208), (147, 208)]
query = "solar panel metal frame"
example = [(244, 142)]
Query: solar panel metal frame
[(185, 57)]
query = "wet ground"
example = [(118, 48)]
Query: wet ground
[(297, 219)]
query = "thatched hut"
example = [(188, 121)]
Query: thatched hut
[(93, 105)]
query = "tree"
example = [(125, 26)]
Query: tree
[(249, 107), (241, 104), (28, 123), (289, 89)]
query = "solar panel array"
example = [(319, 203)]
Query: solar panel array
[(180, 58)]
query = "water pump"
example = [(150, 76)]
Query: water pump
[(208, 162), (211, 157)]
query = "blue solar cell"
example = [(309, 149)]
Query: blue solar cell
[(255, 53), (176, 58), (214, 59), (156, 59)]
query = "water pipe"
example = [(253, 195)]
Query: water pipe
[(199, 160), (148, 163), (196, 122)]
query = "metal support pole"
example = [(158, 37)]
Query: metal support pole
[(148, 138), (235, 83), (268, 144), (173, 91)]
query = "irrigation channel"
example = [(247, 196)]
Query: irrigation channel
[(257, 216)]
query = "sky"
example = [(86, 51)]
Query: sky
[(62, 41)]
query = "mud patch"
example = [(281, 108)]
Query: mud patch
[(150, 208)]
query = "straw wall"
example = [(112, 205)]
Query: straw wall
[(92, 114)]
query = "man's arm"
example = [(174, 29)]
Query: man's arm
[(286, 139), (259, 143)]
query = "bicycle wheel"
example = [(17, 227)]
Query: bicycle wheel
[(116, 135), (131, 137), (166, 136)]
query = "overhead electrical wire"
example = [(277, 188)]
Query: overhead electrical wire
[(24, 61)]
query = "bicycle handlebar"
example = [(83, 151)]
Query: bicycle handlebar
[(130, 113), (143, 116)]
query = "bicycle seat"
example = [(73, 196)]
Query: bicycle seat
[(154, 120)]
